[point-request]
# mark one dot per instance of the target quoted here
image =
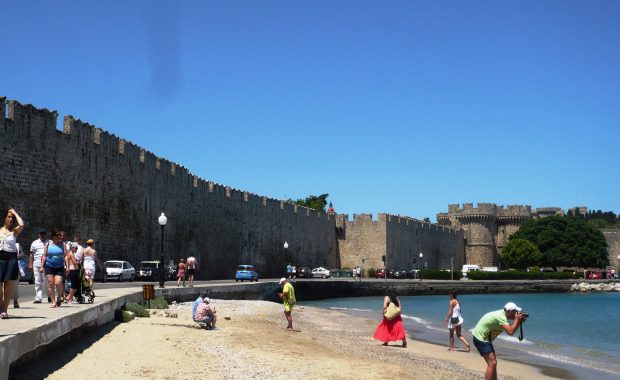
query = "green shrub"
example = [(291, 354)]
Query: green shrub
[(128, 316), (159, 303), (434, 274), (137, 309), (371, 272)]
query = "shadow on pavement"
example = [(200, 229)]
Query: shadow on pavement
[(37, 365)]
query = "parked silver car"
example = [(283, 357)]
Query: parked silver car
[(321, 272), (121, 270)]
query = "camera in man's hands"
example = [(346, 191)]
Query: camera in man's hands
[(525, 315)]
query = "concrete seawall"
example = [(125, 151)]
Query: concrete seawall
[(33, 329)]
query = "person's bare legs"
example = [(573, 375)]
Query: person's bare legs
[(289, 318), (59, 289), (462, 338), (71, 294), (7, 286), (50, 289), (491, 372), (451, 332)]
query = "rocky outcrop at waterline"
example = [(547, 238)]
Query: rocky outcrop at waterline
[(585, 287)]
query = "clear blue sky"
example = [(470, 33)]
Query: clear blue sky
[(389, 106)]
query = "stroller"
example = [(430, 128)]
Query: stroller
[(84, 292)]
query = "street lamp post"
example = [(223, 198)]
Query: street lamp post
[(451, 269), (421, 261), (286, 255), (162, 222)]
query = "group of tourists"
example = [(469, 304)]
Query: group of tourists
[(291, 272), (51, 261), (487, 329), (190, 266)]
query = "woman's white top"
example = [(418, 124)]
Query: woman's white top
[(8, 243), (456, 312), (89, 261)]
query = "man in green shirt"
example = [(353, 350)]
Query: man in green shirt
[(489, 327), (288, 298)]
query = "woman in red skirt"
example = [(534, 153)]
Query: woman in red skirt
[(390, 330)]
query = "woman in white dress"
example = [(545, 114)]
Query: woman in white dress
[(454, 320)]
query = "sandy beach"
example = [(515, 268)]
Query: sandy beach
[(251, 341)]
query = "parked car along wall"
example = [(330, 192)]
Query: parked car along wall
[(321, 272), (304, 272), (120, 270), (246, 272)]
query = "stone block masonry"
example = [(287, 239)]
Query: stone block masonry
[(401, 239), (96, 185)]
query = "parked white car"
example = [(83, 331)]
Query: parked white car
[(321, 272), (121, 270)]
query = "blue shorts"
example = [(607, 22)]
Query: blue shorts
[(483, 347)]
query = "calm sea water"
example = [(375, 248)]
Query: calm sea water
[(578, 333)]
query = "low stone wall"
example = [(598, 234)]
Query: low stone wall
[(314, 290)]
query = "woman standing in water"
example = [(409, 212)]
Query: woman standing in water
[(390, 330), (454, 319)]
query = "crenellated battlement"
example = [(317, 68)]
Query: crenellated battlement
[(93, 183), (391, 219), (469, 209), (105, 147)]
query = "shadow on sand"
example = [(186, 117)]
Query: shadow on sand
[(43, 361)]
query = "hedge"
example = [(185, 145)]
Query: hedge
[(514, 275), (433, 274)]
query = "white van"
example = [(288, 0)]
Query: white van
[(469, 267)]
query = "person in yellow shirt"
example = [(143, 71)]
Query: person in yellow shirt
[(288, 298)]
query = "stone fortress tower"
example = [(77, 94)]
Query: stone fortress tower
[(487, 228)]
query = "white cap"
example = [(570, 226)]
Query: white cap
[(207, 300), (283, 279), (512, 306)]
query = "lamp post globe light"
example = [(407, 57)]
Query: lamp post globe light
[(162, 222)]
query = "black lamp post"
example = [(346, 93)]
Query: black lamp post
[(162, 222), (286, 254), (421, 262)]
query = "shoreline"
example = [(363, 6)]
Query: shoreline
[(251, 341)]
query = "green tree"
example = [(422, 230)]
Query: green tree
[(565, 241), (520, 254), (314, 202), (598, 223)]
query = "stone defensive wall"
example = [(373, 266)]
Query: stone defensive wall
[(612, 235), (96, 185), (401, 239)]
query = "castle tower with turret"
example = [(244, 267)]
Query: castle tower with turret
[(487, 228)]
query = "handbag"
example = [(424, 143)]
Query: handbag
[(391, 312), (454, 320)]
